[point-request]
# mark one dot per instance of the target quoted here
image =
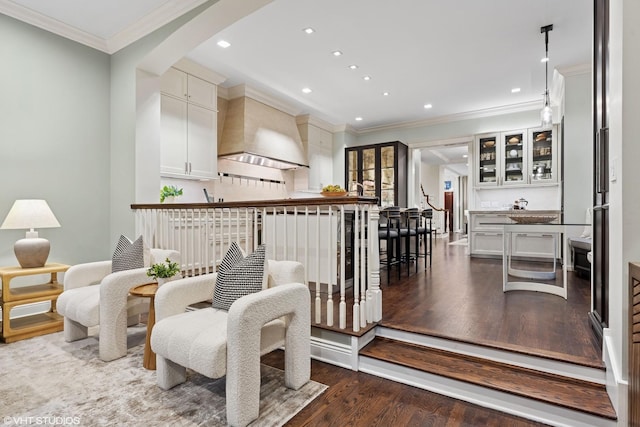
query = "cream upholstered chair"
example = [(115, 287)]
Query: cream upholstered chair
[(215, 342), (94, 296)]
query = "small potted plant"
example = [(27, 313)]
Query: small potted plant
[(169, 193), (164, 271)]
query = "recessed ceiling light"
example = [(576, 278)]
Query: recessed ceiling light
[(309, 30), (385, 93), (306, 90), (546, 59), (353, 67), (367, 78), (358, 119), (427, 106), (224, 44), (336, 53), (515, 90), (464, 156)]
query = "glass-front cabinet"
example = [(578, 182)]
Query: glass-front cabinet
[(487, 159), (543, 156), (518, 157), (514, 163), (380, 169)]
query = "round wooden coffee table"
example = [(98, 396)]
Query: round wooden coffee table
[(148, 290)]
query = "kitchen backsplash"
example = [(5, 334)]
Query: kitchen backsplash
[(544, 198)]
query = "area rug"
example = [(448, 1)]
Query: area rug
[(49, 378), (460, 242)]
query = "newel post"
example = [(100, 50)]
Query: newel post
[(374, 293)]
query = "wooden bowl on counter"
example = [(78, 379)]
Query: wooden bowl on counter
[(533, 219), (334, 193)]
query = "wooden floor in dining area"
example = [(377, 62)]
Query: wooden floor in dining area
[(459, 298)]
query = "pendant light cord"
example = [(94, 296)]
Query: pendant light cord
[(546, 30)]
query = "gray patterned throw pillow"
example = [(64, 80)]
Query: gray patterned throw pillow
[(128, 255), (238, 276)]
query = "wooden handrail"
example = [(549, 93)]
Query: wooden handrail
[(446, 211), (310, 201), (426, 196)]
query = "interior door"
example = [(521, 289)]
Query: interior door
[(448, 207)]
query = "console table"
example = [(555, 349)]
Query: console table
[(36, 324)]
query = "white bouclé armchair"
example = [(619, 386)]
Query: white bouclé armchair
[(94, 296), (216, 343)]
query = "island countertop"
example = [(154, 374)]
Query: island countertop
[(516, 211)]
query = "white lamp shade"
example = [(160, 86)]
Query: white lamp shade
[(30, 214)]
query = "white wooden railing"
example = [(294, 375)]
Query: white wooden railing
[(312, 231)]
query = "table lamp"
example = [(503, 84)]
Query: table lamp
[(31, 251)]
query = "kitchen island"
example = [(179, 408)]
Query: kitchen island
[(486, 235)]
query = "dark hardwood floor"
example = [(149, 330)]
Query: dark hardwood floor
[(359, 399), (458, 298), (461, 298)]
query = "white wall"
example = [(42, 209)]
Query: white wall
[(578, 152), (55, 136)]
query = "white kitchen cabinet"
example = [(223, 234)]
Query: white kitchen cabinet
[(188, 146), (189, 88), (189, 138), (515, 158)]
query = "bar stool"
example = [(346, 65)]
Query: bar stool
[(389, 232), (426, 228), (413, 228)]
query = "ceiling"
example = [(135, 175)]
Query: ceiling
[(460, 56)]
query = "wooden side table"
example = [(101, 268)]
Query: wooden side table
[(37, 324), (148, 290)]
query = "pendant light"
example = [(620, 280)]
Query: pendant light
[(546, 115)]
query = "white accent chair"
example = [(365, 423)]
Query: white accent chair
[(215, 342), (94, 296)]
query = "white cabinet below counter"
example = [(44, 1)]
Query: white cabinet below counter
[(486, 232)]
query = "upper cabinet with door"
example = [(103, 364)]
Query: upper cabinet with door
[(518, 157), (381, 169), (189, 143)]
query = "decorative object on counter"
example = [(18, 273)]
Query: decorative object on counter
[(208, 198), (169, 193), (32, 251), (164, 271), (546, 115), (333, 191), (533, 219), (520, 203)]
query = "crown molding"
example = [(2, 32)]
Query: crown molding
[(277, 103), (51, 25), (148, 23), (316, 122), (488, 112), (195, 69), (575, 70), (151, 22)]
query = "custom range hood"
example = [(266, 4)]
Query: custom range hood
[(256, 133)]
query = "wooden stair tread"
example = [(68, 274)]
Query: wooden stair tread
[(570, 393)]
